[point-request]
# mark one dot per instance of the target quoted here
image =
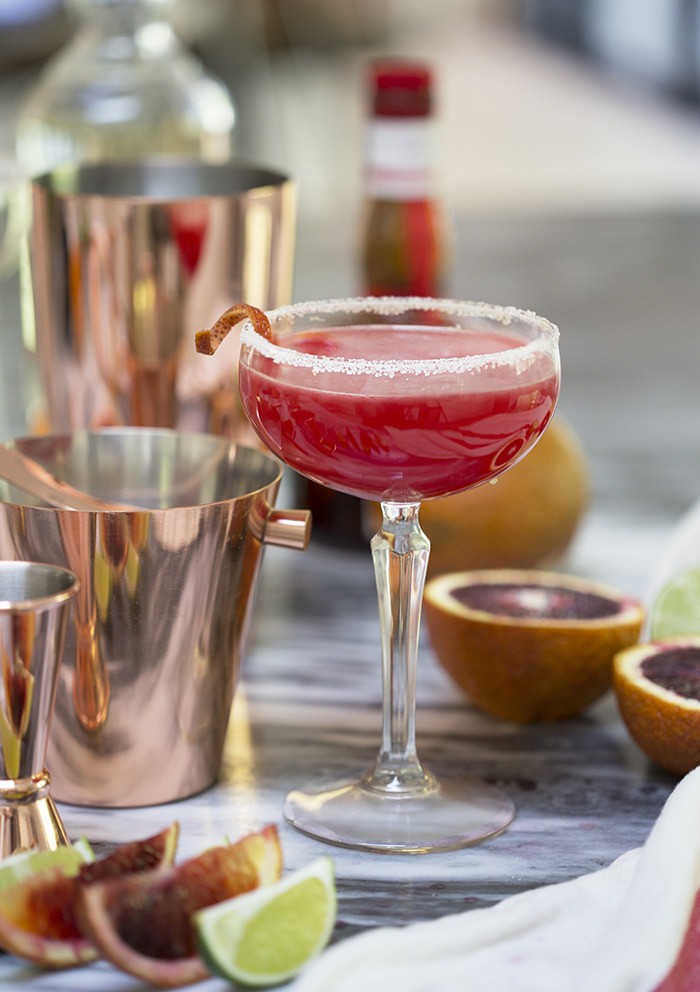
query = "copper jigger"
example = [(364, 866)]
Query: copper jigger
[(33, 611)]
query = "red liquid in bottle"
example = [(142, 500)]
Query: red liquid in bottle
[(404, 244)]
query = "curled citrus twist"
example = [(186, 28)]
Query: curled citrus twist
[(206, 342)]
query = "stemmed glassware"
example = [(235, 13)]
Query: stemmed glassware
[(397, 401)]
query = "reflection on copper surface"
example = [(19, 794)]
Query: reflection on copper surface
[(153, 658), (189, 222), (16, 651), (28, 817), (239, 754), (121, 278), (34, 600), (91, 684)]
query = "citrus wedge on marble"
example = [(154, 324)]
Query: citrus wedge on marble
[(658, 693), (529, 645), (268, 936), (37, 914), (143, 924)]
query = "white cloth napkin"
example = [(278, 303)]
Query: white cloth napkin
[(615, 930)]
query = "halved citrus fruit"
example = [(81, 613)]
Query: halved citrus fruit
[(529, 645), (658, 694), (37, 917), (268, 936), (143, 924)]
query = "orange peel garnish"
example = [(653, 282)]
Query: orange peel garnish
[(206, 342)]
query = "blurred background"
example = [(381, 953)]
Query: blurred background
[(542, 105), (567, 156)]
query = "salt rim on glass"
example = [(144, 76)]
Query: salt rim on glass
[(522, 356)]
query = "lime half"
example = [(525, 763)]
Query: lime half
[(676, 611), (19, 867), (267, 936)]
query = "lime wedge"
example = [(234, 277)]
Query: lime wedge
[(19, 867), (267, 936), (676, 611)]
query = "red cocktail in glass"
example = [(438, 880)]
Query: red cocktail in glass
[(400, 400)]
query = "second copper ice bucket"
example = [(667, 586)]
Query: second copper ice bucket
[(167, 592)]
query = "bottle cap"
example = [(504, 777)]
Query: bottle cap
[(401, 89)]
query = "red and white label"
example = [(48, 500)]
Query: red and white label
[(399, 159)]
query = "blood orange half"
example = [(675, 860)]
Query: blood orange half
[(528, 645)]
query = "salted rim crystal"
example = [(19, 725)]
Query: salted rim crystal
[(395, 306)]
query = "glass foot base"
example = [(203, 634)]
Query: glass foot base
[(452, 815)]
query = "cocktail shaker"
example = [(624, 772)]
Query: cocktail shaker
[(127, 260)]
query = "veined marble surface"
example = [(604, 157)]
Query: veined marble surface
[(309, 706)]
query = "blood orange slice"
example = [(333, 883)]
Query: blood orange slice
[(37, 919), (143, 924), (658, 693), (25, 864)]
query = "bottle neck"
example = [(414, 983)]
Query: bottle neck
[(121, 16), (122, 32), (399, 158)]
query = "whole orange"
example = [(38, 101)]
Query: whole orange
[(525, 519)]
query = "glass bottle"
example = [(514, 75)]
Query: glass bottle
[(404, 249), (404, 244), (125, 86)]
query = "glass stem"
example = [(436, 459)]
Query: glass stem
[(400, 551)]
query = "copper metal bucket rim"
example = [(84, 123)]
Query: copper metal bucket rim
[(150, 432), (36, 603), (81, 180)]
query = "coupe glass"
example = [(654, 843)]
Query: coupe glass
[(398, 401)]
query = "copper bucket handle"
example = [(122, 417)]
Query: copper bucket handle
[(288, 529)]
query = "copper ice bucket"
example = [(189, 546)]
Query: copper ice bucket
[(129, 259), (166, 594)]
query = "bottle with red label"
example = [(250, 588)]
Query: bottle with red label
[(404, 247), (404, 244)]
